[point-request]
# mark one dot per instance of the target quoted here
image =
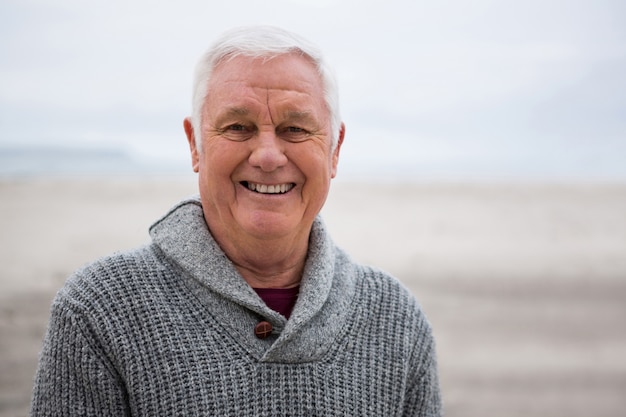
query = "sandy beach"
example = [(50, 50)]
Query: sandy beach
[(525, 285)]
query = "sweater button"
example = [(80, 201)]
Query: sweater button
[(263, 329)]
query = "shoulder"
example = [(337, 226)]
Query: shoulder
[(389, 300), (115, 298), (112, 279), (380, 285)]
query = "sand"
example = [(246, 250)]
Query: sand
[(525, 285)]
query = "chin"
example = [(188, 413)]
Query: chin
[(271, 225)]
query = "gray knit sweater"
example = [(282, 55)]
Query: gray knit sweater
[(168, 330)]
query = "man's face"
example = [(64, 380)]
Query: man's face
[(265, 162)]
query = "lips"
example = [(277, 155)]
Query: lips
[(268, 189)]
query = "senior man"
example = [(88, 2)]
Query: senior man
[(242, 305)]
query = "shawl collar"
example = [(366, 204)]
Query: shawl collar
[(326, 289)]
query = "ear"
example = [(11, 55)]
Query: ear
[(335, 156), (191, 138)]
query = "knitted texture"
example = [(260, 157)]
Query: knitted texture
[(168, 330)]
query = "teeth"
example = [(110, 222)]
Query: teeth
[(269, 189)]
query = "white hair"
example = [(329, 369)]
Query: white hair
[(261, 42)]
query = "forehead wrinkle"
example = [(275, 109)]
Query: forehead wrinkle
[(294, 106), (267, 103), (284, 109), (226, 113)]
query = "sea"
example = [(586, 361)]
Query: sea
[(65, 161), (28, 162)]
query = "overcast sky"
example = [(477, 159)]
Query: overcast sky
[(493, 88)]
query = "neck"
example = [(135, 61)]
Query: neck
[(289, 277), (268, 264)]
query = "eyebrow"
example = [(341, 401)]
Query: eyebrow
[(288, 115), (236, 111), (225, 115), (299, 115)]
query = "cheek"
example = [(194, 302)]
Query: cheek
[(314, 155), (214, 172), (317, 168), (220, 156)]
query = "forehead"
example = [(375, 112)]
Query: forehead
[(290, 79)]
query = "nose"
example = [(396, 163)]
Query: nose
[(267, 152)]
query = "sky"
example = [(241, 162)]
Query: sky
[(448, 89)]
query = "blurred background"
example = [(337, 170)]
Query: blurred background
[(484, 165), (430, 90)]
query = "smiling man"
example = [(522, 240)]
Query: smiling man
[(265, 158), (242, 305)]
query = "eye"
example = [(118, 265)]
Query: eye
[(294, 133), (238, 132)]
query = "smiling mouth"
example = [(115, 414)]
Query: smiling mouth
[(268, 189)]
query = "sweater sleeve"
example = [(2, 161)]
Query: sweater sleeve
[(423, 396), (74, 377)]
